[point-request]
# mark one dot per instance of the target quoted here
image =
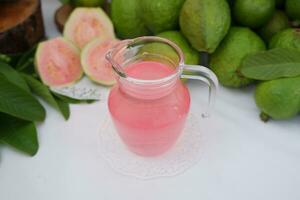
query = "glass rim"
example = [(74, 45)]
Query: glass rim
[(130, 42)]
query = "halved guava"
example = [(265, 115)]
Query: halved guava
[(86, 24), (58, 62), (94, 63)]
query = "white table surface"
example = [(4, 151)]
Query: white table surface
[(243, 159)]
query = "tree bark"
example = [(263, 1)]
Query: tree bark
[(21, 25)]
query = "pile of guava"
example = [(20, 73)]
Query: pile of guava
[(260, 26), (224, 31), (227, 31)]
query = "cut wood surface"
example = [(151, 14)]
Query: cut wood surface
[(21, 25), (61, 16)]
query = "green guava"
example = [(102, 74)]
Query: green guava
[(87, 3), (191, 56), (57, 62), (277, 23), (159, 52), (127, 19), (160, 15), (227, 59), (288, 38), (86, 24), (253, 13), (278, 99), (94, 63), (292, 9), (205, 23)]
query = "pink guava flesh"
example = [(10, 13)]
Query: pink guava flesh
[(88, 29), (86, 24), (95, 64), (58, 62)]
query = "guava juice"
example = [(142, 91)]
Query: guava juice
[(149, 127)]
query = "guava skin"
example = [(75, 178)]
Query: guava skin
[(160, 15), (94, 63), (86, 24), (292, 9), (280, 98), (277, 23), (253, 13), (227, 59), (57, 62), (191, 56), (288, 38), (205, 23), (127, 19)]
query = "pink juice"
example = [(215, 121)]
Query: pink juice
[(149, 126)]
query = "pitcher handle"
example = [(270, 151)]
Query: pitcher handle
[(209, 78)]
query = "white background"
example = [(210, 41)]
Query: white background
[(243, 159)]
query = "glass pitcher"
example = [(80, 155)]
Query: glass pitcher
[(150, 104)]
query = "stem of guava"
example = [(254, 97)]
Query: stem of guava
[(204, 59), (264, 117)]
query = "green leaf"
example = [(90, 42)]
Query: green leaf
[(5, 58), (26, 59), (40, 90), (272, 64), (71, 100), (64, 108), (13, 76), (20, 134), (25, 62), (18, 102), (67, 99), (28, 67), (43, 91)]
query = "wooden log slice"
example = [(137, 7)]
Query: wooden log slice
[(61, 16), (21, 25)]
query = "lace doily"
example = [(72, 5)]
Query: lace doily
[(82, 90), (184, 154)]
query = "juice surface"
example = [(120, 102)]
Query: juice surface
[(149, 70), (149, 127)]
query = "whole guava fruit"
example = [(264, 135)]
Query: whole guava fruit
[(292, 9), (161, 15), (288, 38), (127, 19), (226, 60), (277, 23), (278, 99), (191, 56), (253, 13), (205, 23)]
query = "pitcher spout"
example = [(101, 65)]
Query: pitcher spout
[(115, 58)]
